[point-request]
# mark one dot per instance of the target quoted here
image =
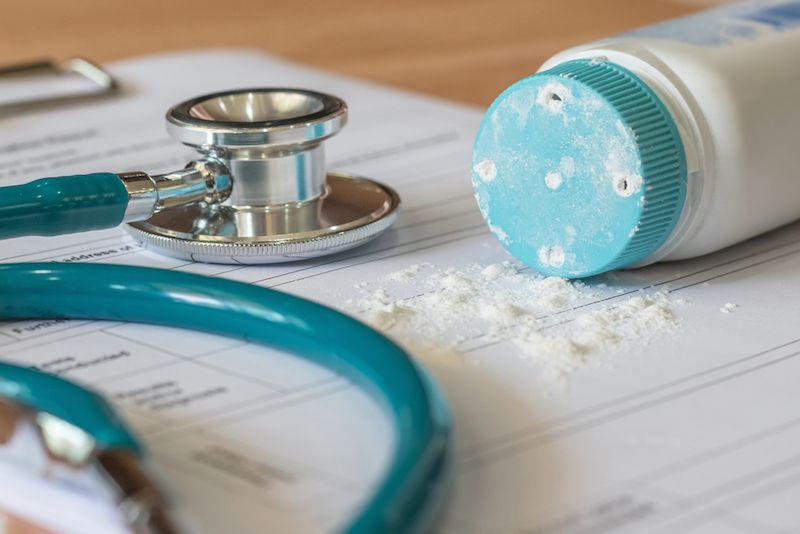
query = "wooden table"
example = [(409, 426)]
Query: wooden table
[(466, 50)]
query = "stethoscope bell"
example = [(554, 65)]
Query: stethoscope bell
[(283, 205)]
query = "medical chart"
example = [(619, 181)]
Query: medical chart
[(697, 430)]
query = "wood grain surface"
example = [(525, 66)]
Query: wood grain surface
[(467, 50)]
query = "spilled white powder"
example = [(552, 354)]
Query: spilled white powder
[(408, 273), (571, 346), (728, 307), (554, 324)]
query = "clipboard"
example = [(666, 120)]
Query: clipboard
[(43, 83)]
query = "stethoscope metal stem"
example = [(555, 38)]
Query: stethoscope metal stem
[(206, 181)]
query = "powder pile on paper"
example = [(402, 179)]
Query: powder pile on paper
[(632, 321), (548, 320)]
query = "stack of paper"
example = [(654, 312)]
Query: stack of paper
[(694, 432)]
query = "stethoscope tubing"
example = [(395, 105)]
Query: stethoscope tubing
[(414, 483)]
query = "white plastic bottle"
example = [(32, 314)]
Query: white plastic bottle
[(664, 143)]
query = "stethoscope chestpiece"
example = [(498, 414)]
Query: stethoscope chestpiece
[(283, 205)]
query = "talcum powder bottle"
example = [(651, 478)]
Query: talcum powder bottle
[(663, 143)]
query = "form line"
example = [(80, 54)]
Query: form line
[(526, 444)]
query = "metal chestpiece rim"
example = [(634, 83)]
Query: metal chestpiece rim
[(256, 118), (284, 205)]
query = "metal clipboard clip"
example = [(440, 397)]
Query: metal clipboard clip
[(36, 84)]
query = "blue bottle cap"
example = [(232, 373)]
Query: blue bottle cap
[(579, 169)]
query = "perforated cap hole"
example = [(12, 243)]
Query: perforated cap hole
[(626, 185)]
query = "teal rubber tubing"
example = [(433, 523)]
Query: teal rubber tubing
[(79, 406), (63, 205), (415, 482)]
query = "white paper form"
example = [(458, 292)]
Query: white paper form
[(697, 432)]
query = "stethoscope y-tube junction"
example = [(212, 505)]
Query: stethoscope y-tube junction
[(204, 181)]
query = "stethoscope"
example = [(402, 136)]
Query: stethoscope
[(259, 194)]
